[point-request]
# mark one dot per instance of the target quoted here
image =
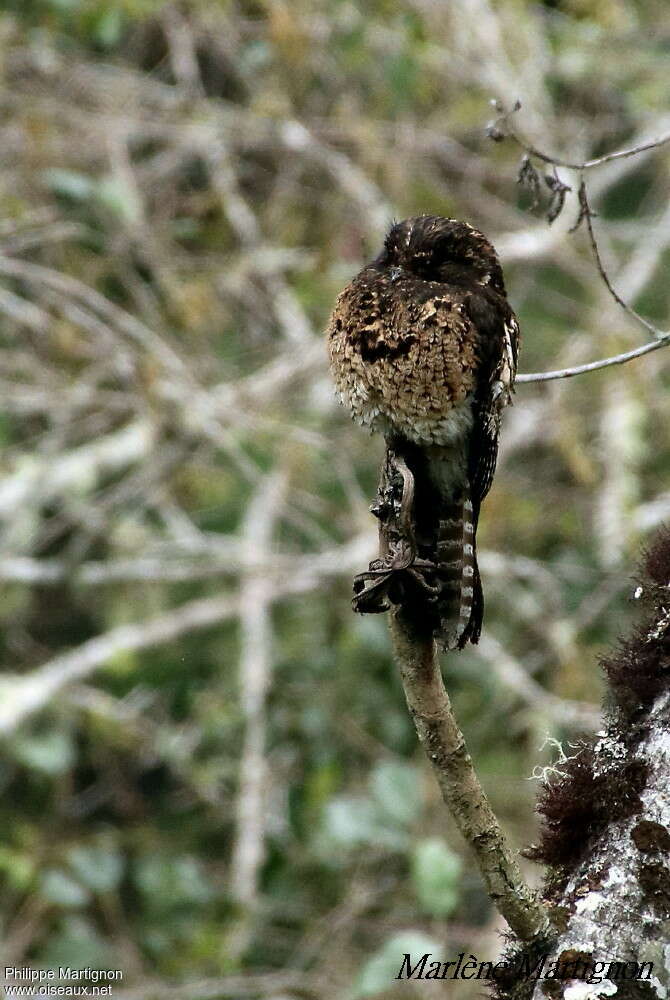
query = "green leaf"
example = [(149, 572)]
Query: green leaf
[(380, 971), (119, 198), (69, 184), (50, 752), (97, 868), (350, 821), (17, 867), (58, 887), (436, 872), (109, 27), (396, 790), (172, 881)]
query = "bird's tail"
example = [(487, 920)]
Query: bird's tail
[(445, 521), (460, 603)]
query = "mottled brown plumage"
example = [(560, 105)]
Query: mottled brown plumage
[(423, 348)]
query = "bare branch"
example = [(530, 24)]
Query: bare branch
[(39, 479), (662, 337), (398, 581), (24, 696), (586, 214), (445, 748), (593, 366), (512, 675), (256, 661), (508, 131), (501, 129)]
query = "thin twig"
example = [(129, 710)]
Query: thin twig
[(557, 161), (445, 747), (662, 337), (592, 366), (586, 214)]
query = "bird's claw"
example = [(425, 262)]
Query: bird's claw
[(379, 587), (399, 570)]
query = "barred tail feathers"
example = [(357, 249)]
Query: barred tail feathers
[(445, 521), (460, 603), (472, 597)]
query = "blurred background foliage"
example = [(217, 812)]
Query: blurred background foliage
[(209, 776)]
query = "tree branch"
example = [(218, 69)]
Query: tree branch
[(401, 581), (23, 696), (586, 214), (255, 678), (593, 366), (555, 161), (445, 747)]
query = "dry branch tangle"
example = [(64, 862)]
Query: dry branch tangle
[(586, 214)]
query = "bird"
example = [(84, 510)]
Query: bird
[(423, 347)]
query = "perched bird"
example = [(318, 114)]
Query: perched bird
[(423, 348)]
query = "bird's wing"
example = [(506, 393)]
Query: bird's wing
[(494, 392)]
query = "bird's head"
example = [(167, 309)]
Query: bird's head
[(438, 249)]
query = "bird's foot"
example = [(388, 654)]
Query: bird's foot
[(393, 580), (398, 575)]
